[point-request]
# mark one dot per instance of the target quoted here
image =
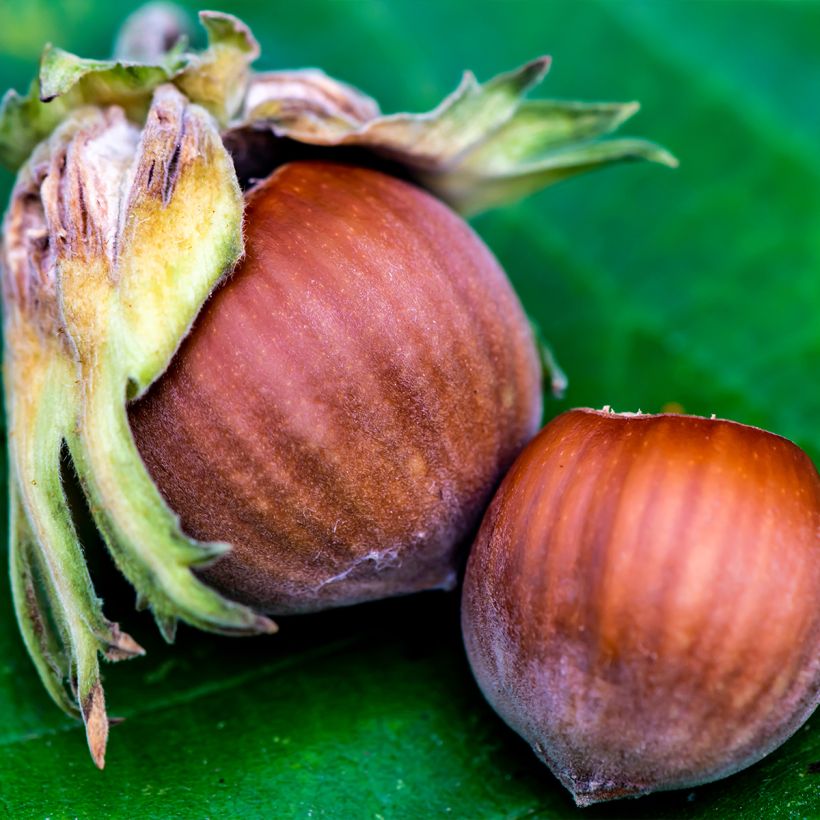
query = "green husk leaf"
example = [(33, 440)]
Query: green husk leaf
[(555, 379), (182, 232), (482, 147), (132, 272), (437, 139), (59, 614), (42, 636), (67, 82), (216, 79), (25, 121), (473, 187), (113, 241), (103, 81)]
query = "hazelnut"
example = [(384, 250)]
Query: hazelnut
[(641, 603), (348, 401)]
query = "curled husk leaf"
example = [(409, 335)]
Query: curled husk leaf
[(126, 214), (483, 146)]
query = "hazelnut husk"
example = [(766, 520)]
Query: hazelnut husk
[(373, 372), (356, 389), (641, 603)]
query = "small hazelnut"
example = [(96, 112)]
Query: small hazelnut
[(641, 603)]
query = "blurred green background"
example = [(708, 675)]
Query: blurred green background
[(697, 287)]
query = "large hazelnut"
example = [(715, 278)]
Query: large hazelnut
[(348, 401)]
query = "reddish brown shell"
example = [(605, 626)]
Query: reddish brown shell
[(347, 403), (641, 603)]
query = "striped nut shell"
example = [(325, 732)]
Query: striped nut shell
[(347, 402), (641, 604)]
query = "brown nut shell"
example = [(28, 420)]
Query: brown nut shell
[(347, 402), (641, 603)]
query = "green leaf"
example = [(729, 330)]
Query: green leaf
[(698, 287)]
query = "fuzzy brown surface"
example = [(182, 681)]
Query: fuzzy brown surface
[(641, 603), (347, 402)]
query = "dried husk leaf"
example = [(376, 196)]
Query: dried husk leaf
[(114, 238)]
